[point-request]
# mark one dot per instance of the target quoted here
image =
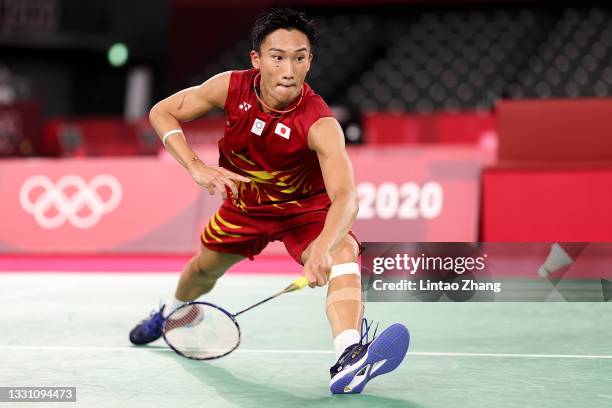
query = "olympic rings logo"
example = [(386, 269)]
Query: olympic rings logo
[(68, 208)]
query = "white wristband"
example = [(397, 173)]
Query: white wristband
[(170, 133)]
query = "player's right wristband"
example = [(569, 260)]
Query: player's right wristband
[(170, 133)]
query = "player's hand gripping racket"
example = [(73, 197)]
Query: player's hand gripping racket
[(204, 331)]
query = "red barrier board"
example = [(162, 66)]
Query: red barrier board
[(151, 205), (92, 206), (547, 204), (418, 194), (557, 130), (448, 128)]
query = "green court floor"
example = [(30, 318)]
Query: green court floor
[(72, 330)]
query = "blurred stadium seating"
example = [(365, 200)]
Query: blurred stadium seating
[(451, 60), (403, 58), (416, 60)]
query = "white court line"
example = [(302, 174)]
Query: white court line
[(287, 351)]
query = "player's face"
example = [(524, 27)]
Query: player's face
[(283, 60)]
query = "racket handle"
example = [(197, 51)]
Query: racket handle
[(299, 283)]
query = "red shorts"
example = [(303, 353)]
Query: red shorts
[(232, 231)]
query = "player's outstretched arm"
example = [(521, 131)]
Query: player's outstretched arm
[(327, 140), (188, 104)]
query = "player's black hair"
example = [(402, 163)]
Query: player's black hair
[(277, 18)]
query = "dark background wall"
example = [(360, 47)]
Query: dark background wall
[(60, 46)]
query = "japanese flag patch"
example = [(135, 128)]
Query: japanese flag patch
[(282, 130)]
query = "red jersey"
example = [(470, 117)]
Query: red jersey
[(272, 150)]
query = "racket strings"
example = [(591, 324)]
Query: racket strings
[(185, 318), (201, 331)]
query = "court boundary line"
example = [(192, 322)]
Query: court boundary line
[(289, 351)]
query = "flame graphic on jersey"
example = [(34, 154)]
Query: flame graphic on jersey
[(270, 187), (215, 231)]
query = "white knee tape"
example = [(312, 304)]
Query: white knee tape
[(344, 269)]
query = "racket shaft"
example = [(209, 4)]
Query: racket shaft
[(297, 284), (259, 303)]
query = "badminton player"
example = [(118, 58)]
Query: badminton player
[(284, 175)]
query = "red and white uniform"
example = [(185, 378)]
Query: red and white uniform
[(286, 198)]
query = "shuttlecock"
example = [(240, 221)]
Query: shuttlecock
[(557, 259)]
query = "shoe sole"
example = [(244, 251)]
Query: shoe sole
[(388, 349)]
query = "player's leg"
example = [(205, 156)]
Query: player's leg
[(200, 275), (198, 278), (228, 237), (358, 360), (343, 306)]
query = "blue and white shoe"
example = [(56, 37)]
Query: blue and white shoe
[(150, 329), (361, 361)]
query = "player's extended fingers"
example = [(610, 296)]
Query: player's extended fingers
[(225, 180), (218, 185), (321, 276), (312, 279), (209, 187), (234, 176), (326, 277)]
